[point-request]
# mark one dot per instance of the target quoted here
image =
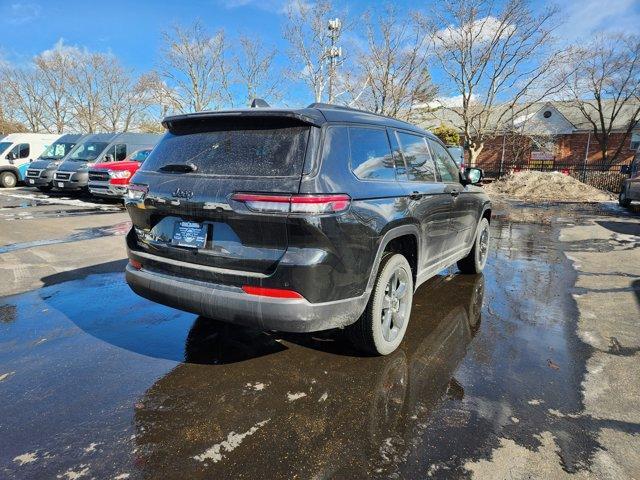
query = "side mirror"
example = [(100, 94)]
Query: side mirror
[(108, 158), (625, 169), (473, 175)]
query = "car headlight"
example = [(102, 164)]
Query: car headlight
[(119, 173)]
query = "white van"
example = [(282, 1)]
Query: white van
[(17, 150)]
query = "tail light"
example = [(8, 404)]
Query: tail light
[(309, 204), (135, 264), (271, 292), (136, 193)]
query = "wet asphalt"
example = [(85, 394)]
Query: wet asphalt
[(97, 382)]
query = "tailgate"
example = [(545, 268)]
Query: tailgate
[(187, 214)]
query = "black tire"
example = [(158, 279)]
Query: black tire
[(623, 200), (46, 188), (8, 180), (369, 334), (477, 258)]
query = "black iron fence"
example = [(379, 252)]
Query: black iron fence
[(600, 175)]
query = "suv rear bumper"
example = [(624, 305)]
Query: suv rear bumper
[(232, 304)]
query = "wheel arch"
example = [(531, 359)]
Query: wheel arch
[(395, 233)]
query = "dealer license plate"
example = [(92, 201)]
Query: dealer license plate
[(189, 234)]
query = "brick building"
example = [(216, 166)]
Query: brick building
[(546, 136)]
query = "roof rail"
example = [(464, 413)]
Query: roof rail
[(350, 109), (337, 107), (259, 103)]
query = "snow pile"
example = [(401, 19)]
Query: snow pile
[(546, 186)]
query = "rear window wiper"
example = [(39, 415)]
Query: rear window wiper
[(179, 168)]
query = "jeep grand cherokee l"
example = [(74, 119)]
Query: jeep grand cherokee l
[(301, 220)]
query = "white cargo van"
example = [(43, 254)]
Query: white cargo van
[(17, 150)]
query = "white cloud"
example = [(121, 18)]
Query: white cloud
[(485, 29), (449, 102), (585, 18), (273, 6), (60, 48), (20, 13)]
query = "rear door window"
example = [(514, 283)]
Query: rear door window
[(245, 152), (446, 166), (371, 157), (420, 166)]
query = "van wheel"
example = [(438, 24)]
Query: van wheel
[(384, 322), (623, 200), (477, 258), (8, 180)]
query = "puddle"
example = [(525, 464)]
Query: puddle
[(485, 357), (85, 234), (72, 212)]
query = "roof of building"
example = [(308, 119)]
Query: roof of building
[(501, 115)]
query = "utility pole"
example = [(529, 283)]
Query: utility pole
[(334, 53)]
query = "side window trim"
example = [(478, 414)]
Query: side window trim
[(433, 159), (431, 141), (428, 148), (396, 152)]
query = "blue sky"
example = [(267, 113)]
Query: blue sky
[(131, 29)]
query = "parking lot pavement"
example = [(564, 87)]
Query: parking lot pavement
[(527, 371), (44, 235)]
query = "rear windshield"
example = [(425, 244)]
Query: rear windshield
[(247, 152)]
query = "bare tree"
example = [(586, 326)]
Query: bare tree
[(254, 70), (24, 95), (54, 69), (310, 40), (124, 99), (497, 58), (605, 85), (87, 81), (195, 68), (392, 73)]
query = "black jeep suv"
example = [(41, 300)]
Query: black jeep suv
[(301, 219)]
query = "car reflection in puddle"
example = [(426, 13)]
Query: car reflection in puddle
[(248, 402)]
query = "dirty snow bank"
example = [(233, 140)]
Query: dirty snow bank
[(547, 186)]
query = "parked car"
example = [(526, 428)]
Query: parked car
[(40, 171), (73, 173), (17, 150), (110, 179), (631, 186), (301, 220)]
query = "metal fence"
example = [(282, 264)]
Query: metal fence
[(600, 175)]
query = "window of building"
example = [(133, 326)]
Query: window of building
[(635, 141)]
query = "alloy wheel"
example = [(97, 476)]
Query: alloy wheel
[(395, 305)]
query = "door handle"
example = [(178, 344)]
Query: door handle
[(455, 193), (415, 196)]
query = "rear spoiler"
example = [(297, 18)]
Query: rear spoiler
[(306, 116)]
